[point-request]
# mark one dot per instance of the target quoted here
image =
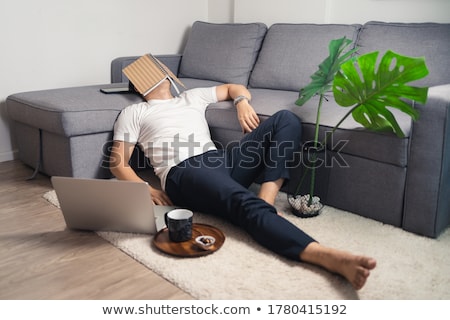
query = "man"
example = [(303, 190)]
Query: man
[(174, 135)]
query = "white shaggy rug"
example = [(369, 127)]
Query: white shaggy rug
[(408, 266)]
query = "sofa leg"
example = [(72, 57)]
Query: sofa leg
[(39, 158)]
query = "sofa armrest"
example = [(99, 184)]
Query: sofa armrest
[(172, 61), (427, 197)]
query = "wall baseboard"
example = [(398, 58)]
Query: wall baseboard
[(8, 155)]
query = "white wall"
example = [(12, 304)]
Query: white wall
[(341, 11), (59, 43), (389, 10), (221, 11), (272, 11)]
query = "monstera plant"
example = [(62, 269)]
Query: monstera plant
[(368, 86)]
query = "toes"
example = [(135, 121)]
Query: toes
[(368, 263), (360, 278)]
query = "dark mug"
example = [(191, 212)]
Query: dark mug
[(179, 224)]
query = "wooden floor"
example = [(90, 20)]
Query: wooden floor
[(41, 259)]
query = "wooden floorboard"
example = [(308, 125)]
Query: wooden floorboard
[(41, 259)]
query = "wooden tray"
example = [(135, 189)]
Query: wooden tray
[(189, 248)]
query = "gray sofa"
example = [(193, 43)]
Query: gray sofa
[(403, 182)]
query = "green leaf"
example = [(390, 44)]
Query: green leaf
[(372, 90), (322, 79)]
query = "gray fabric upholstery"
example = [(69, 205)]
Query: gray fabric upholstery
[(291, 53), (222, 52), (198, 83), (349, 138), (371, 188), (427, 197), (69, 111), (412, 39), (79, 156), (27, 140)]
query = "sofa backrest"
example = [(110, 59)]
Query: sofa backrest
[(291, 53), (222, 52), (284, 56), (430, 40)]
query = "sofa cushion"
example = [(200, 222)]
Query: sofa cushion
[(430, 40), (350, 138), (69, 111), (191, 83), (291, 53), (222, 52)]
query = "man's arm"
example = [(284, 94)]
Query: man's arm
[(247, 116), (119, 165)]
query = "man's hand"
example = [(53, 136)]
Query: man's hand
[(248, 119), (159, 197)]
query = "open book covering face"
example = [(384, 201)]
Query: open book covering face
[(147, 72)]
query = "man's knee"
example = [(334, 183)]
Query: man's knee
[(289, 126), (289, 118)]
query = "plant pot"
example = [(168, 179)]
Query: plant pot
[(300, 208)]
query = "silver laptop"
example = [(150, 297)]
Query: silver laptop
[(108, 205)]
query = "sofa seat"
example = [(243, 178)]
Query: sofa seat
[(67, 131), (350, 138), (69, 111)]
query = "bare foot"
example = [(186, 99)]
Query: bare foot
[(356, 269)]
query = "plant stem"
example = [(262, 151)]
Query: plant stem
[(301, 182), (329, 133), (316, 132), (316, 138)]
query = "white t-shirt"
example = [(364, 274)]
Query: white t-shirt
[(168, 131)]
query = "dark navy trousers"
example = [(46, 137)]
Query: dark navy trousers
[(217, 182)]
